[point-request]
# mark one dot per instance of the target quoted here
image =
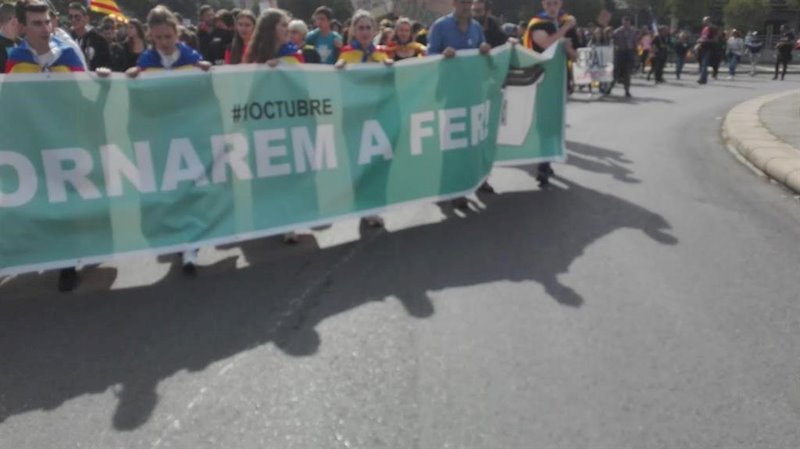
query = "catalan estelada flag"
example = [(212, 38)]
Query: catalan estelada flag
[(108, 7)]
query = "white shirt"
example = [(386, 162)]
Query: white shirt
[(169, 60)]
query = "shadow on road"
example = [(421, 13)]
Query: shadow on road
[(600, 160), (59, 347)]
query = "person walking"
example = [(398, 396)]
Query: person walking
[(549, 27), (754, 45), (705, 48), (660, 53), (784, 49), (453, 32), (624, 39), (735, 47), (681, 48)]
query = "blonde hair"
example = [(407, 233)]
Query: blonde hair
[(358, 16), (298, 25)]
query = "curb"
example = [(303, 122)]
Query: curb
[(744, 131)]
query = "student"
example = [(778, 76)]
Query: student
[(95, 47), (133, 47), (403, 46), (326, 41), (40, 51), (167, 53), (270, 43), (9, 32), (361, 50), (681, 48), (297, 34), (245, 25)]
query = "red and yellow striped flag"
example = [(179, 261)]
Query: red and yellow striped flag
[(108, 7)]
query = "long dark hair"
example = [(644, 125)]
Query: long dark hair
[(263, 45), (238, 44), (137, 25)]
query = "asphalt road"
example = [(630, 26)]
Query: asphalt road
[(649, 299)]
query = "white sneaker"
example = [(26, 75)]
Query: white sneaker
[(190, 256), (290, 238), (729, 77)]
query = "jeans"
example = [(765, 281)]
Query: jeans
[(679, 63), (705, 59), (754, 63), (733, 61)]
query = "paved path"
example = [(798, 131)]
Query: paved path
[(648, 300)]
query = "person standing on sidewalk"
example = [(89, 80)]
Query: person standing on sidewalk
[(754, 45), (624, 39), (735, 51), (784, 47)]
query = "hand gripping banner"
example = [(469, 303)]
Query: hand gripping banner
[(95, 168)]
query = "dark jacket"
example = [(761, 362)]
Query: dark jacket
[(95, 48), (493, 31), (6, 45)]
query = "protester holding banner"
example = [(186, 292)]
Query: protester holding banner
[(270, 43), (245, 25), (168, 53), (403, 45), (41, 52), (9, 32), (361, 50), (624, 39), (324, 40), (94, 46), (456, 31), (547, 28)]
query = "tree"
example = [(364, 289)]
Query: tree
[(746, 15), (689, 12)]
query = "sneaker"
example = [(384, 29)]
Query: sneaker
[(543, 180), (189, 260), (373, 221), (67, 279), (486, 188), (460, 203), (290, 238)]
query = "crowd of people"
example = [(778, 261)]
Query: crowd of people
[(35, 39)]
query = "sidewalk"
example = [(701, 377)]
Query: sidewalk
[(766, 132)]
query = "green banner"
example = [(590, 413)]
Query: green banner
[(92, 168)]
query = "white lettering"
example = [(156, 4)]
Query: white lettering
[(26, 174), (448, 127), (480, 123), (58, 177), (230, 150), (116, 166), (182, 152), (266, 152), (374, 142), (324, 151), (418, 131)]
